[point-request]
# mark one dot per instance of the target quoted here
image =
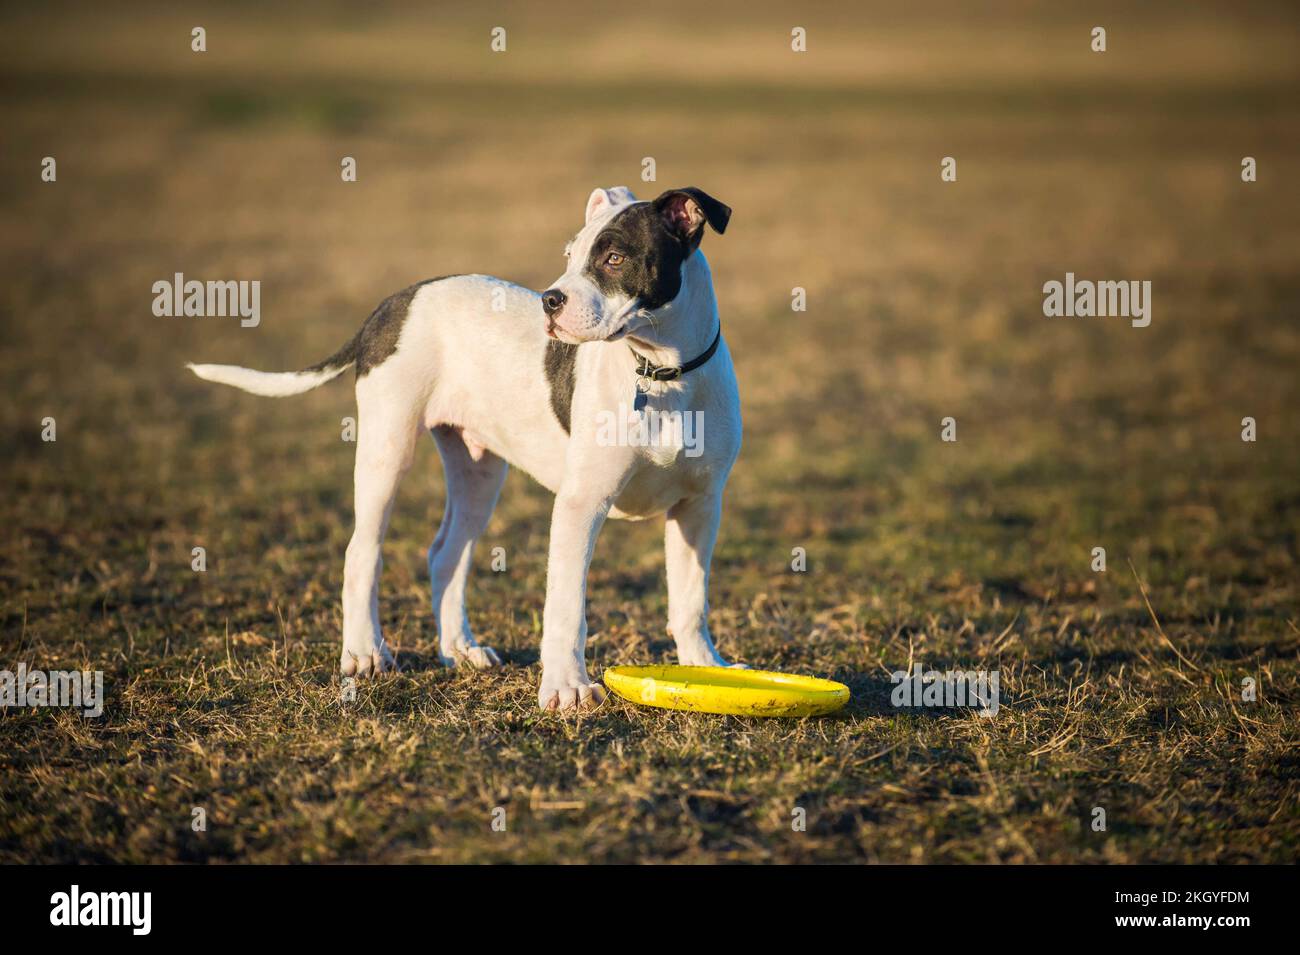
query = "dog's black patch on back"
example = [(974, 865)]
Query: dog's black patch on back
[(561, 377), (653, 257), (377, 340), (340, 359)]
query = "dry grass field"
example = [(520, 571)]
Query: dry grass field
[(924, 301)]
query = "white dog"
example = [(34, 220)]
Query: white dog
[(501, 375)]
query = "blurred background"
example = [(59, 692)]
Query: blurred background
[(924, 300)]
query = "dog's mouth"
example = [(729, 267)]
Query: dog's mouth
[(553, 331)]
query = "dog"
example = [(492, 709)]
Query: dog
[(501, 375)]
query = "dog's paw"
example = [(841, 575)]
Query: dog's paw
[(704, 655), (474, 657), (367, 663), (569, 693)]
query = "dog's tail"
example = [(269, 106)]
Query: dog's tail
[(280, 384)]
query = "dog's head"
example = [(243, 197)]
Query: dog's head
[(627, 262)]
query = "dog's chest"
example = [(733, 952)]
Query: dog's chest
[(678, 449), (654, 487)]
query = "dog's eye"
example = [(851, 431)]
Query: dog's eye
[(614, 260)]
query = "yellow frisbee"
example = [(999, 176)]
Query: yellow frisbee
[(725, 690)]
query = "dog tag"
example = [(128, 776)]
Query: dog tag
[(639, 401)]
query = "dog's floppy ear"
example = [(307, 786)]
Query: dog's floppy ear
[(686, 210), (604, 198)]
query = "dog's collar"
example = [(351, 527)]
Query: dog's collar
[(648, 370)]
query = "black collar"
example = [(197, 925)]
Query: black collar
[(647, 369)]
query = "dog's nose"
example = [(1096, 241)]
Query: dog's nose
[(553, 300)]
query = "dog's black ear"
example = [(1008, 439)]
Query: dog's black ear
[(685, 211)]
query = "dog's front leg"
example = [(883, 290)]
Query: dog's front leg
[(575, 524), (689, 536)]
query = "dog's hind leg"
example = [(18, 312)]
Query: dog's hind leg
[(474, 477), (387, 434)]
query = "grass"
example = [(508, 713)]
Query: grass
[(924, 302)]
